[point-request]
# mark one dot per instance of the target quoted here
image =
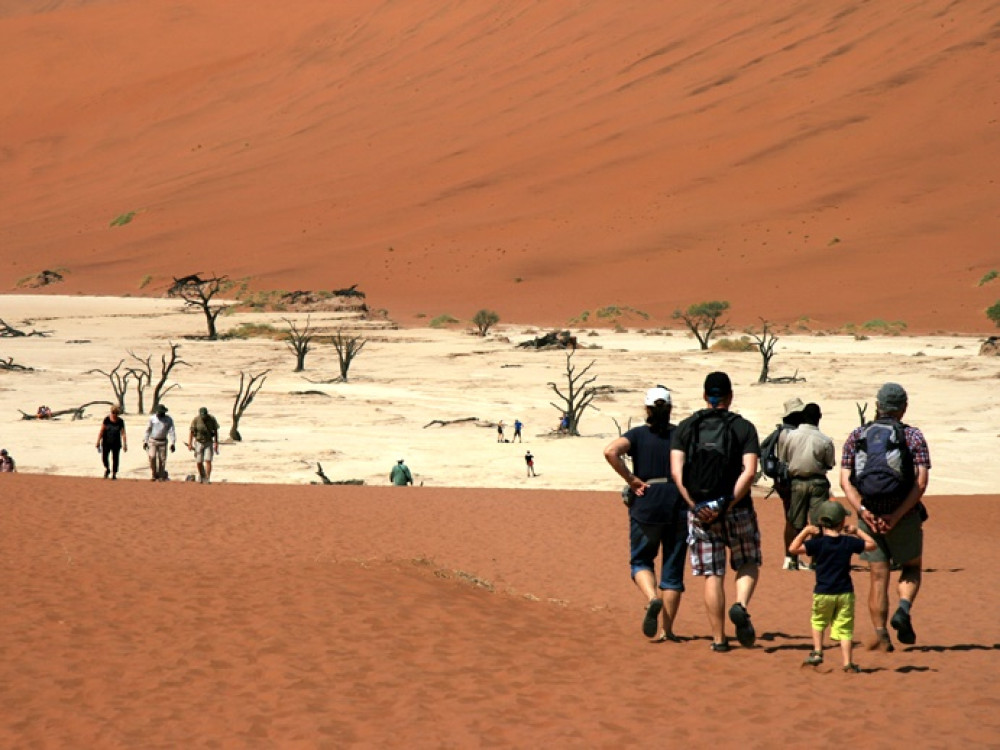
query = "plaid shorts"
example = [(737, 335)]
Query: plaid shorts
[(738, 530)]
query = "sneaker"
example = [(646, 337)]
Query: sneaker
[(814, 659), (745, 633), (811, 565), (791, 563), (882, 642), (904, 628), (720, 648), (650, 621), (107, 473)]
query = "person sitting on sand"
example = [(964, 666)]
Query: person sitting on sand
[(831, 545)]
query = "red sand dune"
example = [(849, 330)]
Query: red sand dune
[(796, 157), (146, 615)]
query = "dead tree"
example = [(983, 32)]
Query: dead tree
[(765, 341), (579, 394), (8, 331), (77, 412), (118, 380), (143, 376), (198, 293), (10, 364), (250, 385), (348, 347), (299, 340), (166, 365), (861, 412)]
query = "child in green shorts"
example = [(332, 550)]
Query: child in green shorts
[(831, 545)]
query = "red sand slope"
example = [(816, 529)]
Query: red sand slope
[(541, 159), (145, 615)]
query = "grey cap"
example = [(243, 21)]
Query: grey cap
[(891, 397)]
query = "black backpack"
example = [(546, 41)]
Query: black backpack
[(883, 466), (770, 465), (711, 465)]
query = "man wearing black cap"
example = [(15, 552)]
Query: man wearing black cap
[(884, 469), (713, 460)]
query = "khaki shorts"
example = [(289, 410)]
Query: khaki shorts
[(806, 496), (202, 451), (904, 543)]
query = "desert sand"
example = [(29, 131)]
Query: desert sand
[(481, 608), (511, 154), (815, 164)]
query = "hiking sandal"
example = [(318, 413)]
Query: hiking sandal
[(852, 668), (814, 659)]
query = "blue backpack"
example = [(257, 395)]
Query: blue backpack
[(883, 466)]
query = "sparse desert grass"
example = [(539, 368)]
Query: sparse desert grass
[(884, 327), (255, 331), (442, 321), (122, 219), (145, 281), (742, 344), (988, 277)]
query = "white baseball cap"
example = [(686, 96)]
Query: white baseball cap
[(659, 393)]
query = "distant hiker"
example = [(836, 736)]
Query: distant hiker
[(564, 424), (713, 460), (657, 514), (400, 474), (832, 545), (530, 461), (44, 412), (884, 470), (500, 431), (203, 439), (159, 432), (517, 431), (7, 464), (808, 455), (111, 440)]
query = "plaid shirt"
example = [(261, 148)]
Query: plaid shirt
[(914, 441)]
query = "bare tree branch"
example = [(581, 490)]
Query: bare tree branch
[(244, 398)]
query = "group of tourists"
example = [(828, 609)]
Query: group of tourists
[(159, 438), (688, 494)]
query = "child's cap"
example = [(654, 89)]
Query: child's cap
[(831, 514)]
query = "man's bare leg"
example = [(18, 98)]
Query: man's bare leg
[(878, 604), (715, 606), (746, 582)]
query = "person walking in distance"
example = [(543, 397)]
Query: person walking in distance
[(530, 461), (713, 461), (657, 513), (203, 440), (159, 434), (7, 464), (517, 431), (884, 471), (111, 440), (400, 475)]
